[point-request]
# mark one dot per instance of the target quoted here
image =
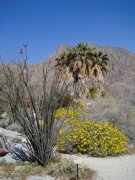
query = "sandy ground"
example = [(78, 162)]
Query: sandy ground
[(118, 168)]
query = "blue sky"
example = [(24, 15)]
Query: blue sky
[(46, 24)]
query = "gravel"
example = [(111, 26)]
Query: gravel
[(40, 178), (111, 168)]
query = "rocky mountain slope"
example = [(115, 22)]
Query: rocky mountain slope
[(122, 64), (121, 79)]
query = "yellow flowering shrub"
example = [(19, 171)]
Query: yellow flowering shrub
[(95, 139), (76, 111), (70, 113)]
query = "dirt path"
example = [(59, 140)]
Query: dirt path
[(118, 168)]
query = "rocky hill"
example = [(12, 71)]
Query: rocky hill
[(120, 80)]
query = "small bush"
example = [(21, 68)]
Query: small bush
[(76, 111), (66, 101), (92, 138), (92, 93)]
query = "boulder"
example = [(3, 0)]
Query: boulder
[(3, 152), (8, 139), (8, 158)]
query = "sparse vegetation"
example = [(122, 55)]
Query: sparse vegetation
[(66, 169), (115, 110), (131, 150), (62, 168), (67, 100)]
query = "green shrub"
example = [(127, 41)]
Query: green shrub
[(67, 101), (92, 93), (92, 138), (2, 123)]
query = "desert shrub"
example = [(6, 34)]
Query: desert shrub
[(70, 113), (33, 107), (67, 100), (92, 92), (95, 139), (115, 110)]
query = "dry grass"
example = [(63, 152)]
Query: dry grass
[(115, 110), (66, 170), (20, 171), (131, 150), (57, 167)]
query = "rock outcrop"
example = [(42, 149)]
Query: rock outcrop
[(8, 139)]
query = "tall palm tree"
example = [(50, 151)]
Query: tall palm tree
[(84, 62), (82, 59)]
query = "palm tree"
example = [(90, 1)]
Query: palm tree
[(102, 60), (99, 66), (84, 62), (82, 59)]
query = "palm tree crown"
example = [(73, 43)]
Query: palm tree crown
[(84, 61)]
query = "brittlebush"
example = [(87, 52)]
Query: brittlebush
[(76, 111), (89, 137)]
